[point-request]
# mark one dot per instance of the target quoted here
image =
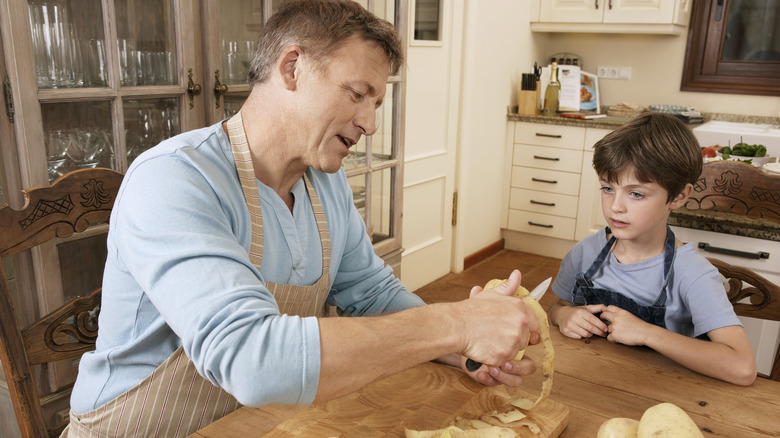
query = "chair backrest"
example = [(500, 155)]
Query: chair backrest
[(752, 295), (738, 188), (70, 205)]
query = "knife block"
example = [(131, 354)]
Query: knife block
[(528, 102)]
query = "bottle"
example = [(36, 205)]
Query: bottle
[(550, 105)]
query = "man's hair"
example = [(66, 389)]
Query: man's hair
[(318, 27), (658, 147)]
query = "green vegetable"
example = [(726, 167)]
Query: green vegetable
[(743, 149)]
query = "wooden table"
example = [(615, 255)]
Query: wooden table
[(595, 379)]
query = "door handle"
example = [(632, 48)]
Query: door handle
[(193, 89), (219, 88)]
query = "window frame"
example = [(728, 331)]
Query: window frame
[(703, 71)]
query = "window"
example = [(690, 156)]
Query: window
[(733, 47)]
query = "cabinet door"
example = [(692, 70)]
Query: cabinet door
[(639, 11), (572, 11), (589, 216)]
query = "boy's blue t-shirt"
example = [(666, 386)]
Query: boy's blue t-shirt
[(696, 304)]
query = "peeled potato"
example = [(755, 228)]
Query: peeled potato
[(548, 363), (667, 420), (618, 428)]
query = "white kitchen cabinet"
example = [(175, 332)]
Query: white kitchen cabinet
[(545, 179), (553, 193), (613, 16), (589, 216)]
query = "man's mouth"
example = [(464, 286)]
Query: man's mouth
[(348, 142)]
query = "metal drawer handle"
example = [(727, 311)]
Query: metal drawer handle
[(549, 204), (539, 225), (544, 180), (541, 134), (539, 157), (733, 252)]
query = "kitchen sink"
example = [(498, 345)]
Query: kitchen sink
[(721, 133)]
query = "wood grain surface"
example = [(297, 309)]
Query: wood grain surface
[(428, 396), (595, 380)]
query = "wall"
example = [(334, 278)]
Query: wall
[(498, 47), (657, 63)]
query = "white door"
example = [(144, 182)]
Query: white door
[(432, 100)]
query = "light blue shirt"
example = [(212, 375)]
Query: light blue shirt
[(178, 274), (695, 305)]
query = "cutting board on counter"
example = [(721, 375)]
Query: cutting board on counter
[(428, 396)]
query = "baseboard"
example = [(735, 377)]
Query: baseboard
[(482, 254)]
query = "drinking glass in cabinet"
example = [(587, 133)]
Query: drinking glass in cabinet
[(148, 122), (71, 149), (68, 48), (236, 58), (146, 44), (232, 104)]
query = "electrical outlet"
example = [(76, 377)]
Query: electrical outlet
[(612, 72)]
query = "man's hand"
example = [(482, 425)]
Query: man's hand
[(520, 329), (580, 321)]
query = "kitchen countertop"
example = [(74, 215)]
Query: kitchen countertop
[(707, 220)]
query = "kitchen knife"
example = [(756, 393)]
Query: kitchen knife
[(537, 293)]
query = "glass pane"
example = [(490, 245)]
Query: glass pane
[(68, 43), (232, 104), (148, 122), (752, 31), (81, 265), (146, 42), (382, 140), (240, 22), (381, 204), (69, 148), (426, 20), (358, 185)]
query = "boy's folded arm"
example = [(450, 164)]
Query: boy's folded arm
[(727, 356)]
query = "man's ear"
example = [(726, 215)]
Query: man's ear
[(289, 66), (682, 197)]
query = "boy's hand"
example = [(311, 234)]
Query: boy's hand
[(581, 321), (625, 327)]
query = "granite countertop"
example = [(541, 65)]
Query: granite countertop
[(707, 220)]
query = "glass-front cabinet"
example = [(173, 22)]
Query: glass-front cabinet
[(93, 83)]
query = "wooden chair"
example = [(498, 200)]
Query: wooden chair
[(71, 204), (762, 297)]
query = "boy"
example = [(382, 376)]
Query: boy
[(633, 282)]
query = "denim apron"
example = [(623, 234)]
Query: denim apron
[(654, 314), (175, 400)]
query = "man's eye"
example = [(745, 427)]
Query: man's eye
[(357, 96)]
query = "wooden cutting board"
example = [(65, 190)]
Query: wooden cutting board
[(428, 396)]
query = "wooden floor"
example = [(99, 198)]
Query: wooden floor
[(456, 287)]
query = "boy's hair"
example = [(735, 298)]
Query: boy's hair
[(658, 147), (319, 27)]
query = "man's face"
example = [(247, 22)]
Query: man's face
[(343, 96)]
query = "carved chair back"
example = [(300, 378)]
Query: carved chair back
[(740, 188), (71, 204)]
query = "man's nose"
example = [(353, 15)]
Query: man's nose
[(366, 121)]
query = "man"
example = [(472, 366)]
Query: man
[(226, 242)]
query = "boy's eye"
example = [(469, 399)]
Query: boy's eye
[(636, 195), (606, 189)]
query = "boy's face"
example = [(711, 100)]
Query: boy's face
[(636, 210)]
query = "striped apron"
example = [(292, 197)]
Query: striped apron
[(175, 401)]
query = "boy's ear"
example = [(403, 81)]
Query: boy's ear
[(682, 197)]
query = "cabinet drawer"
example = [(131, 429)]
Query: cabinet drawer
[(546, 180), (542, 157), (543, 202), (567, 137), (746, 247), (542, 224)]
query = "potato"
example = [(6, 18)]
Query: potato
[(618, 428), (667, 420)]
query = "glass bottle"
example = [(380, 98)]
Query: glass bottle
[(551, 93)]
